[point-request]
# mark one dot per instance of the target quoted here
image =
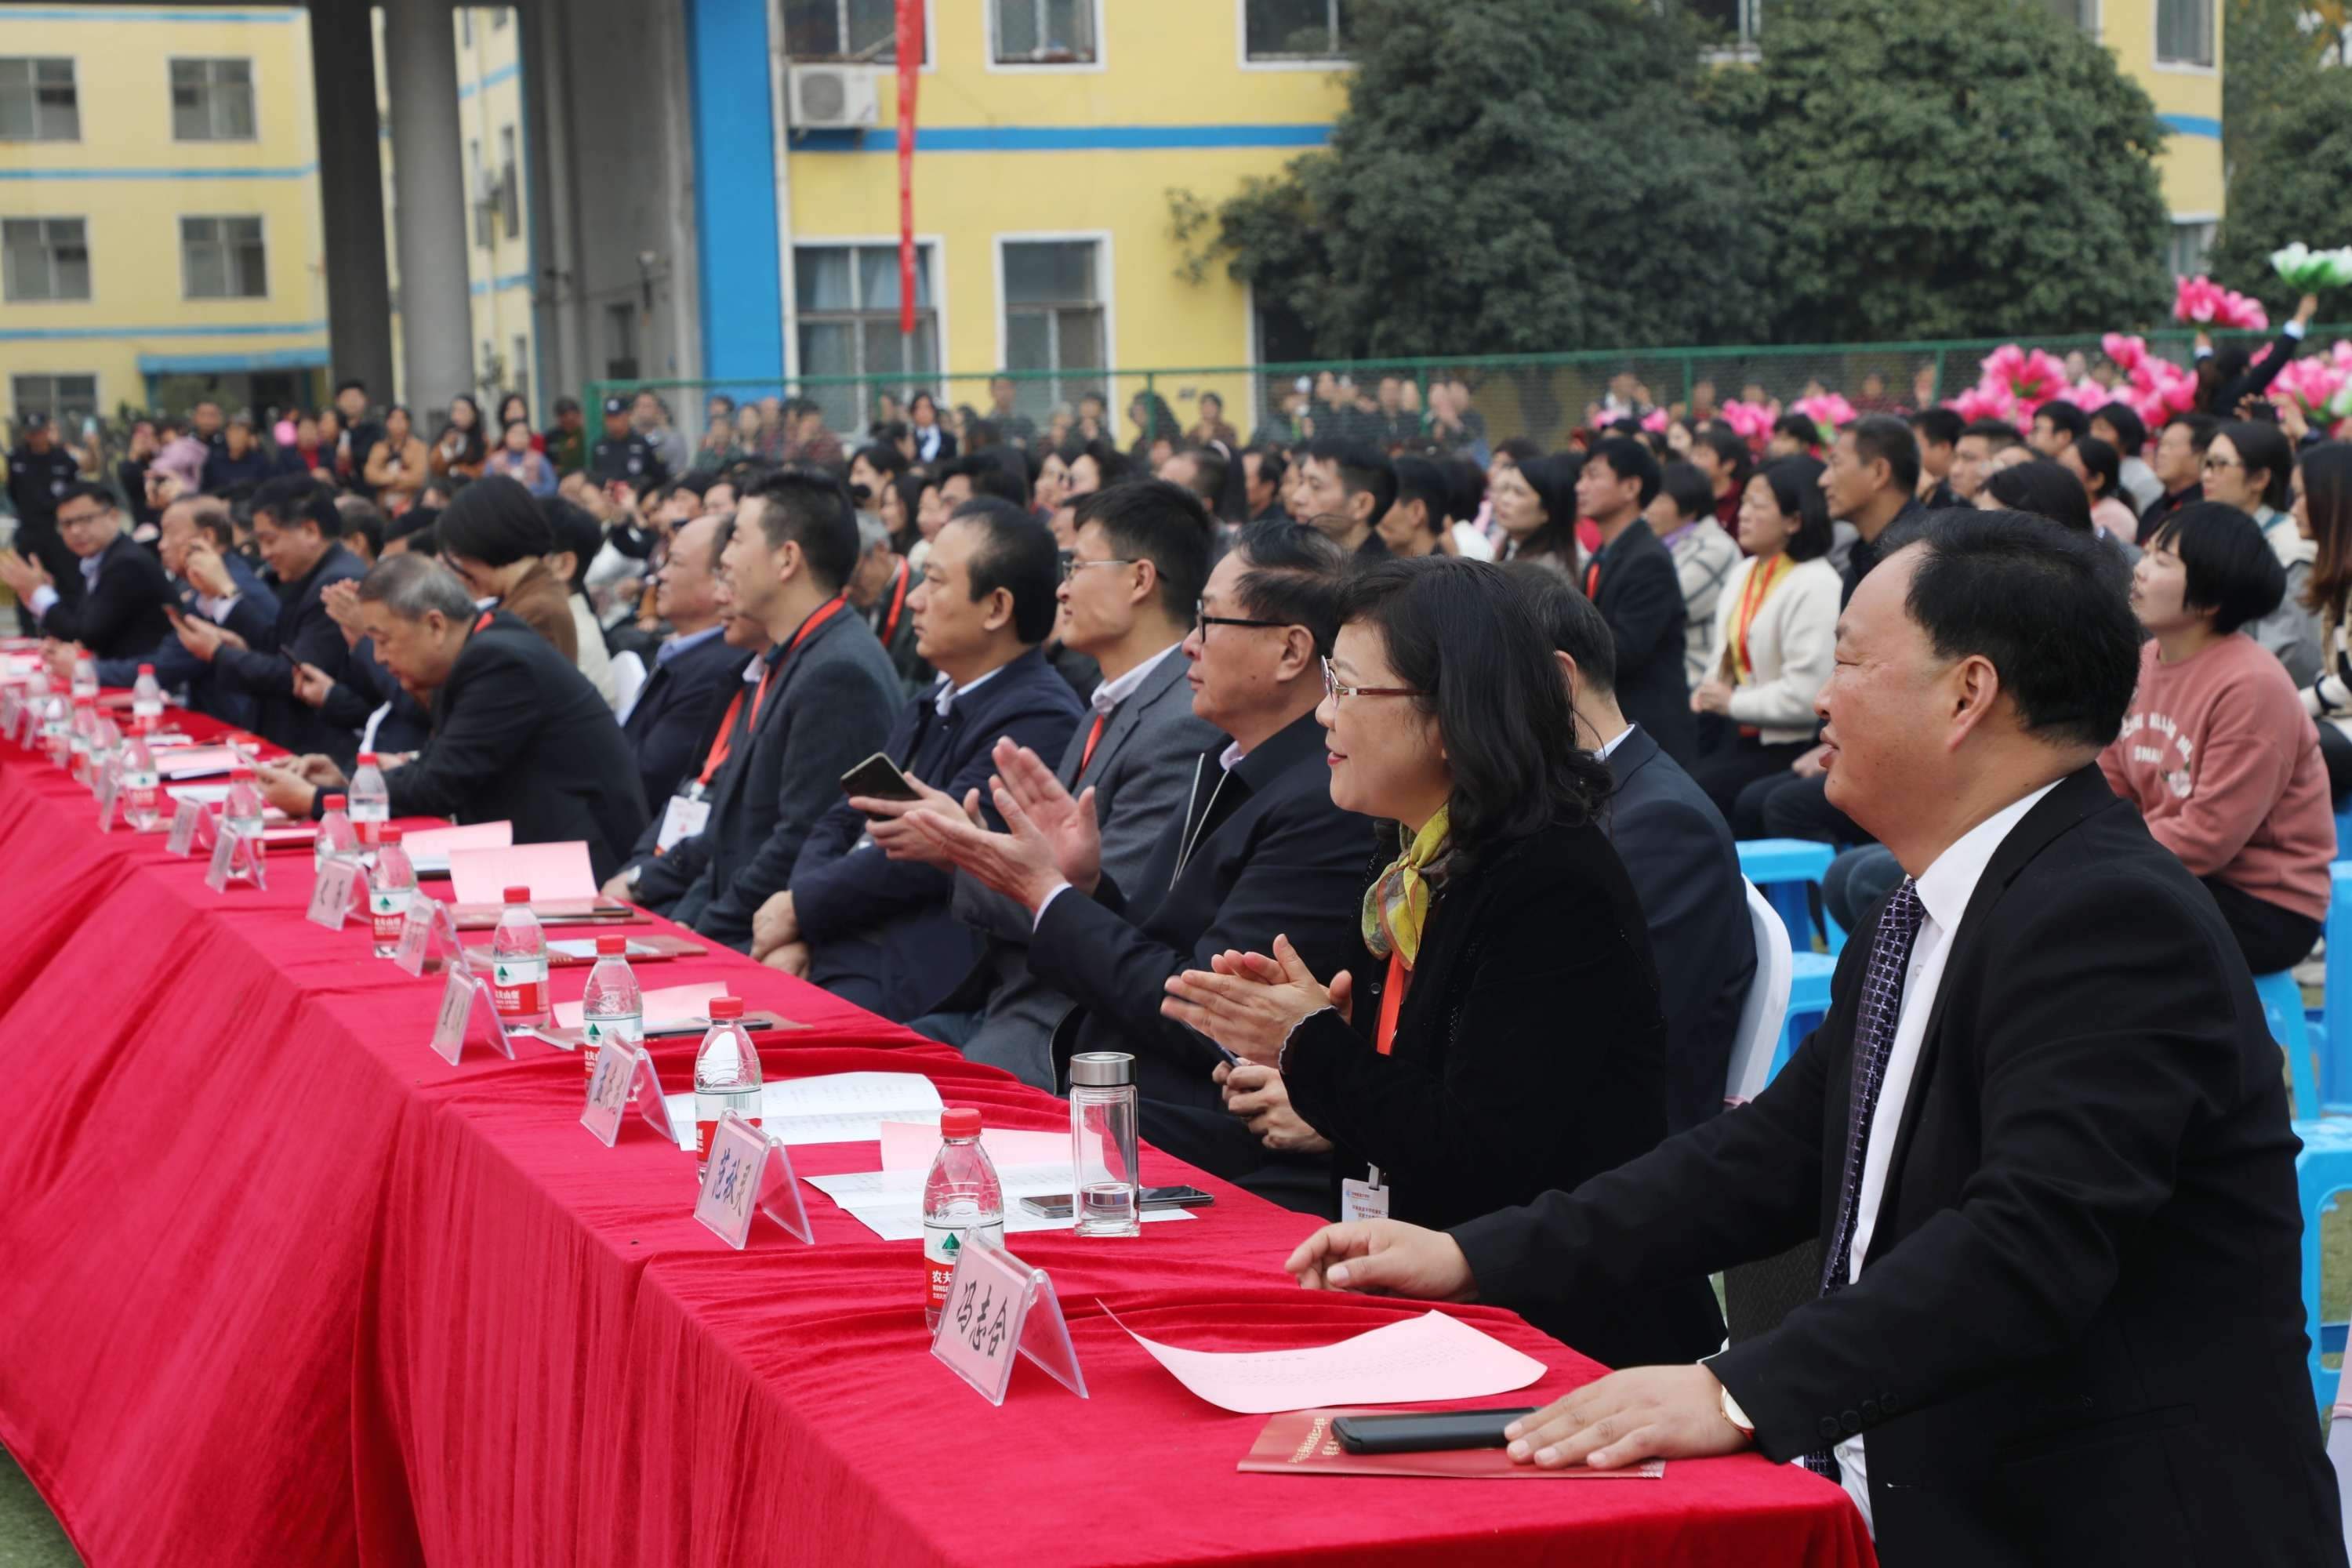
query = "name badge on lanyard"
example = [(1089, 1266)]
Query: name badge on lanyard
[(683, 817), (1364, 1200)]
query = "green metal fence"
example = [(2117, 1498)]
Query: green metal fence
[(1460, 399)]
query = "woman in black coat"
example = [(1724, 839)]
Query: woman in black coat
[(1501, 1033)]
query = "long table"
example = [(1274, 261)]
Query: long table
[(278, 1286)]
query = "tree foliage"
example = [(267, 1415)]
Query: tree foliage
[(2293, 185), (2275, 51), (1508, 176), (1961, 168)]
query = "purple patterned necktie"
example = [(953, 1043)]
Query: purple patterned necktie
[(1874, 1040)]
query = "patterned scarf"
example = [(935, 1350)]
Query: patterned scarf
[(1397, 904)]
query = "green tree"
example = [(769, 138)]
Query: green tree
[(2273, 49), (1508, 176), (2291, 185), (1958, 169)]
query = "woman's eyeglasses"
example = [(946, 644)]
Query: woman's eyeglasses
[(1336, 692)]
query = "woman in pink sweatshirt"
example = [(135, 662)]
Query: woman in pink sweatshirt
[(2216, 751)]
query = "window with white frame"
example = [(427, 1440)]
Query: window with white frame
[(67, 400), (38, 102), (2185, 248), (1043, 32), (862, 30), (2083, 14), (2184, 32), (845, 314), (621, 342), (1054, 321), (212, 100), (223, 258), (1277, 30), (43, 259)]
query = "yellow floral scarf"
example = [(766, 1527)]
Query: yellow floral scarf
[(1397, 904)]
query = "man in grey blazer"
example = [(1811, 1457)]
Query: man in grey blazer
[(1128, 594)]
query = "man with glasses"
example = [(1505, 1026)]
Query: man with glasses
[(120, 608), (1257, 851)]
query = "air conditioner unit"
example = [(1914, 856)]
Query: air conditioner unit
[(832, 97)]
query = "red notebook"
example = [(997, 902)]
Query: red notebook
[(1299, 1443)]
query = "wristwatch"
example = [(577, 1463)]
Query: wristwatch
[(1736, 1417)]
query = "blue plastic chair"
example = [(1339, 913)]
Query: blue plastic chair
[(1783, 869), (2336, 1016), (1809, 1003), (2322, 1170), (2343, 833)]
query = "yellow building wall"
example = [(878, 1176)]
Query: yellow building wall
[(2188, 96), (131, 182)]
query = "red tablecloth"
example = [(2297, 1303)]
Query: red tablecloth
[(278, 1286)]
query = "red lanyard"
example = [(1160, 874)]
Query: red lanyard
[(1391, 999), (725, 743), (898, 602), (1760, 581), (1093, 737), (1592, 580), (484, 621)]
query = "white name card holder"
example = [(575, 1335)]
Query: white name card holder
[(463, 995), (110, 783), (749, 1170), (235, 859), (997, 1304), (189, 821), (624, 1072), (340, 883), (426, 917), (12, 711)]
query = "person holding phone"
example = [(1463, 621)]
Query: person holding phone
[(1496, 1031)]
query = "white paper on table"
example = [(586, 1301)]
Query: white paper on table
[(663, 1004), (913, 1145), (480, 874), (429, 847), (585, 947), (196, 762), (214, 796), (890, 1202), (831, 1107), (1430, 1357)]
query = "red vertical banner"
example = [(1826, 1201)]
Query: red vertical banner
[(910, 66)]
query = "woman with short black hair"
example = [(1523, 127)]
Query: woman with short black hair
[(1499, 1033), (494, 536)]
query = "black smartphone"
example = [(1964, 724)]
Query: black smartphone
[(1420, 1434), (877, 778), (1057, 1206)]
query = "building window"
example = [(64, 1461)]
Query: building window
[(1043, 32), (846, 299), (43, 259), (223, 258), (500, 16), (2185, 247), (67, 400), (1280, 30), (621, 342), (212, 100), (2082, 14), (861, 30), (2184, 33), (509, 184), (38, 101), (1053, 320), (1728, 28), (466, 26)]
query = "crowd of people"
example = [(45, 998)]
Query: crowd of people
[(1377, 790)]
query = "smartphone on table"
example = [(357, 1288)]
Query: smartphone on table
[(1057, 1206), (1425, 1431)]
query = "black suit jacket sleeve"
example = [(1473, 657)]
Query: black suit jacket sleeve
[(269, 671), (1644, 602), (1488, 1126), (1088, 950), (500, 704), (131, 584), (2085, 1105), (254, 620)]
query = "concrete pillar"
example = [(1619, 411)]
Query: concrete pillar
[(552, 156), (428, 184), (351, 193)]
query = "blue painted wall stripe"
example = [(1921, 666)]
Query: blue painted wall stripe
[(256, 330), (2193, 124), (736, 264), (490, 79), (294, 172), (1064, 138), (232, 362), (124, 14), (512, 280)]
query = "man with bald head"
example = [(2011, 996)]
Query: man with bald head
[(661, 725)]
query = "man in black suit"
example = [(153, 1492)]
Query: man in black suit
[(692, 661), (193, 534), (1258, 850), (1632, 580), (519, 734), (119, 611), (878, 931), (2042, 1135), (262, 656), (818, 700), (1678, 854)]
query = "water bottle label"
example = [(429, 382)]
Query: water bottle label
[(597, 1032), (940, 1254), (519, 987), (388, 909)]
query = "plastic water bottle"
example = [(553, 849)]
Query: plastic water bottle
[(241, 811), (56, 729), (519, 964), (83, 738), (85, 677), (726, 1076), (390, 888), (105, 748), (611, 1007), (371, 802), (334, 840), (146, 695), (142, 787), (963, 1203)]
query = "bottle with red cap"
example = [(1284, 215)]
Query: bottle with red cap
[(336, 839), (241, 810), (143, 786), (612, 1008), (963, 1203), (726, 1076), (390, 889), (83, 740), (370, 801), (146, 694), (519, 964)]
